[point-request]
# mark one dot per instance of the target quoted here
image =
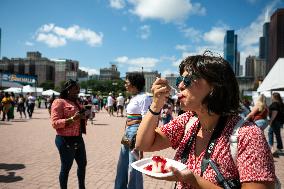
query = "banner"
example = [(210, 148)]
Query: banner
[(19, 78)]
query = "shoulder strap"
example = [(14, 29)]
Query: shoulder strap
[(234, 140)]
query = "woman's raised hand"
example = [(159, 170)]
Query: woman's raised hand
[(161, 90), (77, 116)]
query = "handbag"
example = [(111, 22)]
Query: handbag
[(130, 143), (72, 141)]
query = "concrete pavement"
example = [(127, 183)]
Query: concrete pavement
[(30, 160)]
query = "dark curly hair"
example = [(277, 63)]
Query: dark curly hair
[(224, 99), (137, 80), (67, 85)]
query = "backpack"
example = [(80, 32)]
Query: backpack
[(234, 147)]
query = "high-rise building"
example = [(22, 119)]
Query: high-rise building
[(255, 67), (172, 79), (263, 42), (231, 50), (34, 64), (109, 73), (261, 47), (45, 69), (150, 77), (276, 38), (249, 66), (64, 70)]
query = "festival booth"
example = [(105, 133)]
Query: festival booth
[(273, 82), (35, 90), (50, 92), (14, 90), (274, 79)]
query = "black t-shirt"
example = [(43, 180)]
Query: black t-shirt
[(275, 106)]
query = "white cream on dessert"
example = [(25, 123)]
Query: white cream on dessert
[(158, 165)]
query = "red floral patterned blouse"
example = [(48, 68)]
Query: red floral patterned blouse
[(254, 159)]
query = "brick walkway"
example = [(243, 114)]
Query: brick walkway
[(29, 158)]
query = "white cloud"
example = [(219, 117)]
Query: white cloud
[(248, 51), (55, 36), (28, 43), (185, 54), (252, 1), (182, 47), (90, 71), (47, 28), (117, 4), (168, 72), (136, 64), (250, 35), (191, 33), (215, 35), (165, 10), (121, 59), (51, 40), (137, 68), (144, 31), (167, 58)]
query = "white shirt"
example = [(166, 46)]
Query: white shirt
[(110, 101), (139, 104), (120, 100), (31, 99)]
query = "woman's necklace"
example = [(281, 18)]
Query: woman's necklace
[(207, 130)]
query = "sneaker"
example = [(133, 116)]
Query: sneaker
[(276, 153)]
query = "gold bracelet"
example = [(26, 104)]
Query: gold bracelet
[(70, 120)]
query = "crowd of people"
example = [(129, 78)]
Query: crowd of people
[(24, 104), (198, 125)]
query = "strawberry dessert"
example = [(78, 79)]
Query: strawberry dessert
[(158, 165)]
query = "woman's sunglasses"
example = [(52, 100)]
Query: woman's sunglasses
[(187, 80)]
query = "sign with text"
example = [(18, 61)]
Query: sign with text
[(19, 78)]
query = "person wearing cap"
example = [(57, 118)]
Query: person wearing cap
[(120, 104), (110, 102), (69, 120)]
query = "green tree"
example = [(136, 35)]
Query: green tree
[(61, 84), (104, 86), (47, 85)]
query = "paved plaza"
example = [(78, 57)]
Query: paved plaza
[(30, 160)]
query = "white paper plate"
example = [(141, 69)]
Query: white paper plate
[(141, 164)]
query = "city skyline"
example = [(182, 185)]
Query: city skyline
[(154, 35)]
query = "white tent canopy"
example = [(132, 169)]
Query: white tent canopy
[(29, 89), (81, 94), (25, 89), (275, 78), (50, 93), (13, 89)]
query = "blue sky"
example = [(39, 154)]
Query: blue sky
[(153, 34)]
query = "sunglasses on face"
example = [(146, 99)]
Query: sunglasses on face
[(187, 80)]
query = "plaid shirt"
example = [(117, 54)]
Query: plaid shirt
[(61, 110)]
